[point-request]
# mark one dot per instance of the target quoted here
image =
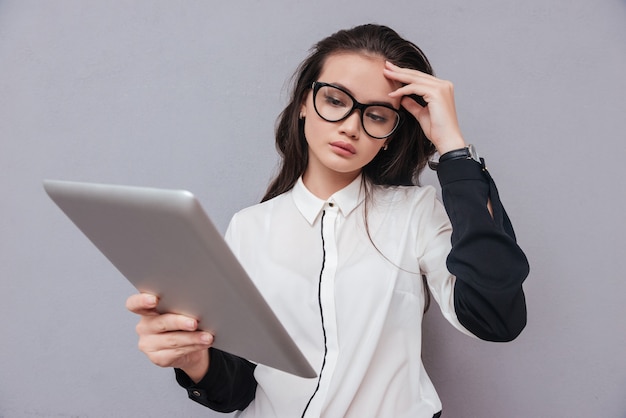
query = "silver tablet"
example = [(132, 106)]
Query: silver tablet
[(163, 242)]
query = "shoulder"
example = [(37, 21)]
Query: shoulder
[(404, 195), (256, 213), (417, 205)]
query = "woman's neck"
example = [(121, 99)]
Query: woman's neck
[(325, 184)]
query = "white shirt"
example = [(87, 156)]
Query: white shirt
[(353, 305)]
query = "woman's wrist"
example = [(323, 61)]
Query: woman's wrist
[(443, 148), (198, 370)]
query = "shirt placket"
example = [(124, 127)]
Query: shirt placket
[(327, 306)]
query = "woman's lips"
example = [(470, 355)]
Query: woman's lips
[(343, 147)]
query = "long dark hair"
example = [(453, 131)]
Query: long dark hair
[(407, 154)]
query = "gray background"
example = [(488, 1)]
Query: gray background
[(185, 94)]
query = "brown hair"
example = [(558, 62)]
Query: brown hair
[(407, 153)]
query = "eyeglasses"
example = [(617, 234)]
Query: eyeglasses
[(334, 104)]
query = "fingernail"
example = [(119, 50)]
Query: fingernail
[(191, 324), (150, 299), (207, 338)]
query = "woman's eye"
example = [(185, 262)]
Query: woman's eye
[(334, 101), (376, 117)]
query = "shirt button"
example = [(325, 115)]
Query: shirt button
[(196, 393), (331, 204)]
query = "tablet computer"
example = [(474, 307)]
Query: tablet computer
[(163, 242)]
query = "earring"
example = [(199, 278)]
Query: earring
[(385, 147), (301, 116)]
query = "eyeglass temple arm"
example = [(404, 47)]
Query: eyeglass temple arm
[(419, 100)]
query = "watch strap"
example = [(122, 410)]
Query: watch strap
[(465, 153)]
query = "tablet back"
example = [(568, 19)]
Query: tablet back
[(163, 243)]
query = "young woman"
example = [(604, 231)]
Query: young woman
[(346, 248)]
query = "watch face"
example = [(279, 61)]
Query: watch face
[(473, 154)]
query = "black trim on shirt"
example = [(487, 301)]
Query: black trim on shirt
[(319, 300)]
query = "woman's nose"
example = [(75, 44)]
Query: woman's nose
[(351, 125)]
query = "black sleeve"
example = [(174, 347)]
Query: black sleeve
[(488, 264), (229, 384)]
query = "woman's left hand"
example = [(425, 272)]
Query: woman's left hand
[(438, 119)]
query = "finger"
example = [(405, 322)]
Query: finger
[(421, 93), (177, 350), (178, 341), (422, 87), (178, 357), (407, 75), (412, 106), (416, 83), (142, 304), (407, 71), (156, 324), (411, 90)]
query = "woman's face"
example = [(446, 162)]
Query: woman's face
[(341, 149)]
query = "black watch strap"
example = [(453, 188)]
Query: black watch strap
[(466, 153)]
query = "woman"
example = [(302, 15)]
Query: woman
[(346, 249)]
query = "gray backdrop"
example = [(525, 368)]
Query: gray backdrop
[(185, 94)]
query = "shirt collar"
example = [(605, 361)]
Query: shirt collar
[(310, 206)]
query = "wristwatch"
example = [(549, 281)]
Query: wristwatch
[(467, 153)]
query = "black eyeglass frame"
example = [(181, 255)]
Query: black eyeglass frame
[(317, 85)]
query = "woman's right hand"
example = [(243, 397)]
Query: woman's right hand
[(170, 340)]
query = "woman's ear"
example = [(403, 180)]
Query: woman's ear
[(302, 114), (303, 106)]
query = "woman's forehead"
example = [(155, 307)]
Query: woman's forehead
[(359, 73)]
